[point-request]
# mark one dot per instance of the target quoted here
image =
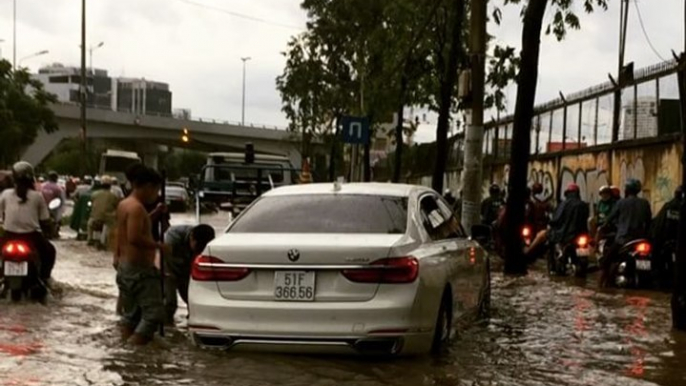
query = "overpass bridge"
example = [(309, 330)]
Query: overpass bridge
[(148, 131)]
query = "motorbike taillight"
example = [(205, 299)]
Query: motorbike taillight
[(582, 241), (15, 250), (643, 249), (526, 232)]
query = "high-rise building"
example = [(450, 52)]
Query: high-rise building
[(145, 97), (65, 83), (134, 95)]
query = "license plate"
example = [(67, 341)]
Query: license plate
[(16, 269), (643, 265), (583, 252), (295, 286)]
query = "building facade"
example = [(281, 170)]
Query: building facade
[(134, 95)]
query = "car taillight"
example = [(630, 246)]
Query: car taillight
[(526, 232), (15, 250), (643, 248), (209, 268), (398, 270), (582, 241)]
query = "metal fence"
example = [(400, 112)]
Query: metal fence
[(649, 108)]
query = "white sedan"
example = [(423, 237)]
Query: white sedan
[(358, 268)]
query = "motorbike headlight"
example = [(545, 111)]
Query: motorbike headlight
[(622, 268)]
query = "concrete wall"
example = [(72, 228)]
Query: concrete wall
[(655, 163)]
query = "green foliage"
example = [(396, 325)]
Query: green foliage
[(68, 159), (354, 56), (183, 163), (24, 111)]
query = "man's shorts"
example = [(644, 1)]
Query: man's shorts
[(140, 294)]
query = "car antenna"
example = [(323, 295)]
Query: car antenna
[(338, 184)]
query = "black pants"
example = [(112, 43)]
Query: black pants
[(46, 251)]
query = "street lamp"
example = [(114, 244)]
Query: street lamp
[(90, 52), (244, 59), (14, 35), (39, 53)]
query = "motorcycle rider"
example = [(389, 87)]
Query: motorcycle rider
[(569, 221), (665, 226), (490, 207), (631, 216), (541, 209), (51, 190), (25, 214), (449, 198), (603, 210)]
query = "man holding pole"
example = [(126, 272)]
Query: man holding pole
[(137, 278)]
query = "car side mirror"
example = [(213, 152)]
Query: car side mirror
[(481, 233)]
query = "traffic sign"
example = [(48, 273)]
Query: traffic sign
[(355, 130)]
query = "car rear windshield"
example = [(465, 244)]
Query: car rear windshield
[(324, 213)]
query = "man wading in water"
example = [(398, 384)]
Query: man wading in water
[(137, 278)]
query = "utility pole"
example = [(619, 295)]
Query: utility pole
[(473, 165), (616, 112), (244, 59), (679, 287), (14, 35), (84, 85)]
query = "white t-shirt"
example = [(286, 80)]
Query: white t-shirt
[(23, 217)]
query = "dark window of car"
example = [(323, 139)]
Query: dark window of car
[(438, 221), (324, 213)]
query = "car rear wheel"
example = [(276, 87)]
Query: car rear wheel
[(444, 324)]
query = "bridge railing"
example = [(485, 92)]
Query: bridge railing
[(189, 119)]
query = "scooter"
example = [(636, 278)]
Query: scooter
[(54, 208), (635, 268), (571, 257), (19, 274)]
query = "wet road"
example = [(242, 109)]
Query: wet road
[(542, 332)]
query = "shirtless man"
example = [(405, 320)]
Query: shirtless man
[(137, 278)]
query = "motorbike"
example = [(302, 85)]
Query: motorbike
[(634, 267), (54, 208), (570, 258), (19, 273)]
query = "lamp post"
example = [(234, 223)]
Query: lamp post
[(90, 53), (244, 59), (1, 41), (39, 53), (14, 35)]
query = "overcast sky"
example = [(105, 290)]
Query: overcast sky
[(197, 50)]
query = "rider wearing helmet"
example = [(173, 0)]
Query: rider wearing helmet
[(571, 217), (631, 216), (25, 214), (449, 198), (490, 207), (605, 205), (569, 221), (542, 208)]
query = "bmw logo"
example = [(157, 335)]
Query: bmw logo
[(293, 255)]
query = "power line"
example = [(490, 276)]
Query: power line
[(241, 15), (645, 33)]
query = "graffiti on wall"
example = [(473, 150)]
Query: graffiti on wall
[(629, 169), (590, 181)]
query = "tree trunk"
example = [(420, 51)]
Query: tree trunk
[(679, 294), (446, 97), (515, 262), (474, 137), (397, 170)]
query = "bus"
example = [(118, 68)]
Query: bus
[(115, 162)]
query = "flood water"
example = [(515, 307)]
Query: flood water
[(542, 332)]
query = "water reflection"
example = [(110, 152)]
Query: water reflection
[(542, 332)]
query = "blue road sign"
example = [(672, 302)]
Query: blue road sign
[(355, 130)]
